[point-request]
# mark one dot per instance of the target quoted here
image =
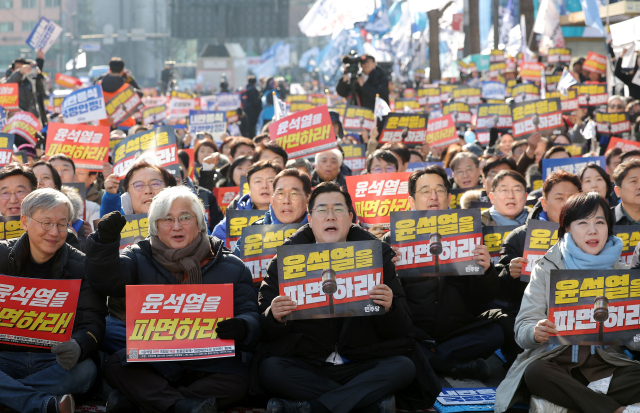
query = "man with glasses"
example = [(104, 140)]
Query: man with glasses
[(490, 170), (616, 104), (381, 162), (466, 171), (42, 379), (328, 365), (508, 196), (288, 203), (16, 182)]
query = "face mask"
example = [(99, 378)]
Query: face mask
[(469, 136)]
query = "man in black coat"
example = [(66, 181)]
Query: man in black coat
[(337, 364), (29, 99), (370, 83), (32, 379), (252, 106)]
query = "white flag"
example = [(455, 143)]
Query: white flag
[(527, 54), (566, 81), (543, 85), (381, 109), (548, 25), (279, 108)]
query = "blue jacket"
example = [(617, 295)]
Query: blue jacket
[(220, 231), (110, 202), (269, 219)]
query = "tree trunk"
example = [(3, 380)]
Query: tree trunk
[(526, 8), (434, 45), (474, 26)]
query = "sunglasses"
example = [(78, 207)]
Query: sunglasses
[(616, 106)]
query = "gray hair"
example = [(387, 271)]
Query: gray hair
[(335, 151), (45, 199), (162, 202), (76, 201), (300, 162), (464, 155)]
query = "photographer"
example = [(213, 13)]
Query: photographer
[(31, 89), (366, 84)]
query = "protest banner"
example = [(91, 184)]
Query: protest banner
[(404, 127), (357, 118), (557, 55), (180, 108), (87, 146), (244, 185), (157, 146), (238, 219), (612, 123), (492, 116), (496, 56), (136, 229), (460, 231), (552, 83), (536, 182), (43, 35), (10, 226), (494, 236), (409, 93), (214, 123), (301, 106), (568, 103), (298, 98), (154, 114), (630, 235), (232, 116), (224, 196), (177, 322), (470, 95), (510, 85), (544, 116), (574, 306), (24, 124), (572, 165), (84, 105), (531, 71), (575, 150), (344, 291), (592, 94), (495, 69), (3, 118), (9, 98), (460, 112), (376, 196), (182, 94), (441, 132), (228, 101), (55, 103), (429, 96), (595, 63), (305, 133), (407, 106), (6, 148), (259, 243), (354, 157), (68, 82), (37, 312), (20, 157), (447, 92), (624, 144), (123, 104), (151, 101), (494, 90), (456, 195), (525, 92), (541, 235)]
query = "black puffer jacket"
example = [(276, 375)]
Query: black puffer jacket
[(110, 271), (89, 324)]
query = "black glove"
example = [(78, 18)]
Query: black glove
[(67, 353), (232, 329), (110, 226)]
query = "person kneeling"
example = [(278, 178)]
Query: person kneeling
[(43, 380)]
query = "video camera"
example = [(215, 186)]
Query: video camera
[(351, 62)]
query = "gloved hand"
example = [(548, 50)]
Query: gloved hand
[(232, 329), (67, 353), (110, 226)]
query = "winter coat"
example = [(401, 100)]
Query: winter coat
[(220, 230), (26, 94), (627, 78), (68, 264), (534, 308), (488, 221), (376, 84), (316, 180), (620, 218), (110, 271)]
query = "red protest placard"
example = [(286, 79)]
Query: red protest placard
[(24, 124), (595, 63), (67, 81), (404, 127), (88, 146), (9, 96), (376, 196), (304, 133), (177, 322), (441, 132), (531, 71), (612, 123), (224, 196), (623, 144), (124, 104), (592, 94), (37, 312)]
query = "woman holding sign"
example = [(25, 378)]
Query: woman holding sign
[(177, 252), (560, 374)]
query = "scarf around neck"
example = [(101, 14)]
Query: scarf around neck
[(576, 259), (502, 220), (183, 260)]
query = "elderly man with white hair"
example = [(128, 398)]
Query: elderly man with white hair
[(177, 251), (328, 168), (42, 380)]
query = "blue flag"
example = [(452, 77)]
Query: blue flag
[(592, 15)]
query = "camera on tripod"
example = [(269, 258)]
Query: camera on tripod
[(352, 63)]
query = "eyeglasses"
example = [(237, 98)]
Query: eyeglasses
[(47, 225), (324, 211), (154, 184), (19, 194), (441, 193), (293, 195), (183, 220), (379, 169), (616, 106), (516, 191), (467, 171)]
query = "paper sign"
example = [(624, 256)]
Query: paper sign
[(84, 105), (492, 116), (630, 235), (429, 96), (214, 123), (568, 103), (157, 146), (459, 111), (466, 396), (541, 235), (496, 56), (594, 94), (469, 95), (24, 124), (354, 157), (87, 146), (542, 116), (3, 118), (442, 132), (10, 227), (595, 63), (405, 128), (357, 118), (301, 106), (228, 101), (44, 35), (375, 196), (357, 266), (493, 237), (461, 231), (177, 322), (154, 114), (6, 148), (624, 144), (612, 123), (304, 133), (68, 82), (525, 93), (37, 312), (225, 195), (456, 195), (494, 90), (136, 229), (572, 165), (9, 97), (531, 71), (557, 55), (55, 103), (123, 104), (259, 243), (238, 219)]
